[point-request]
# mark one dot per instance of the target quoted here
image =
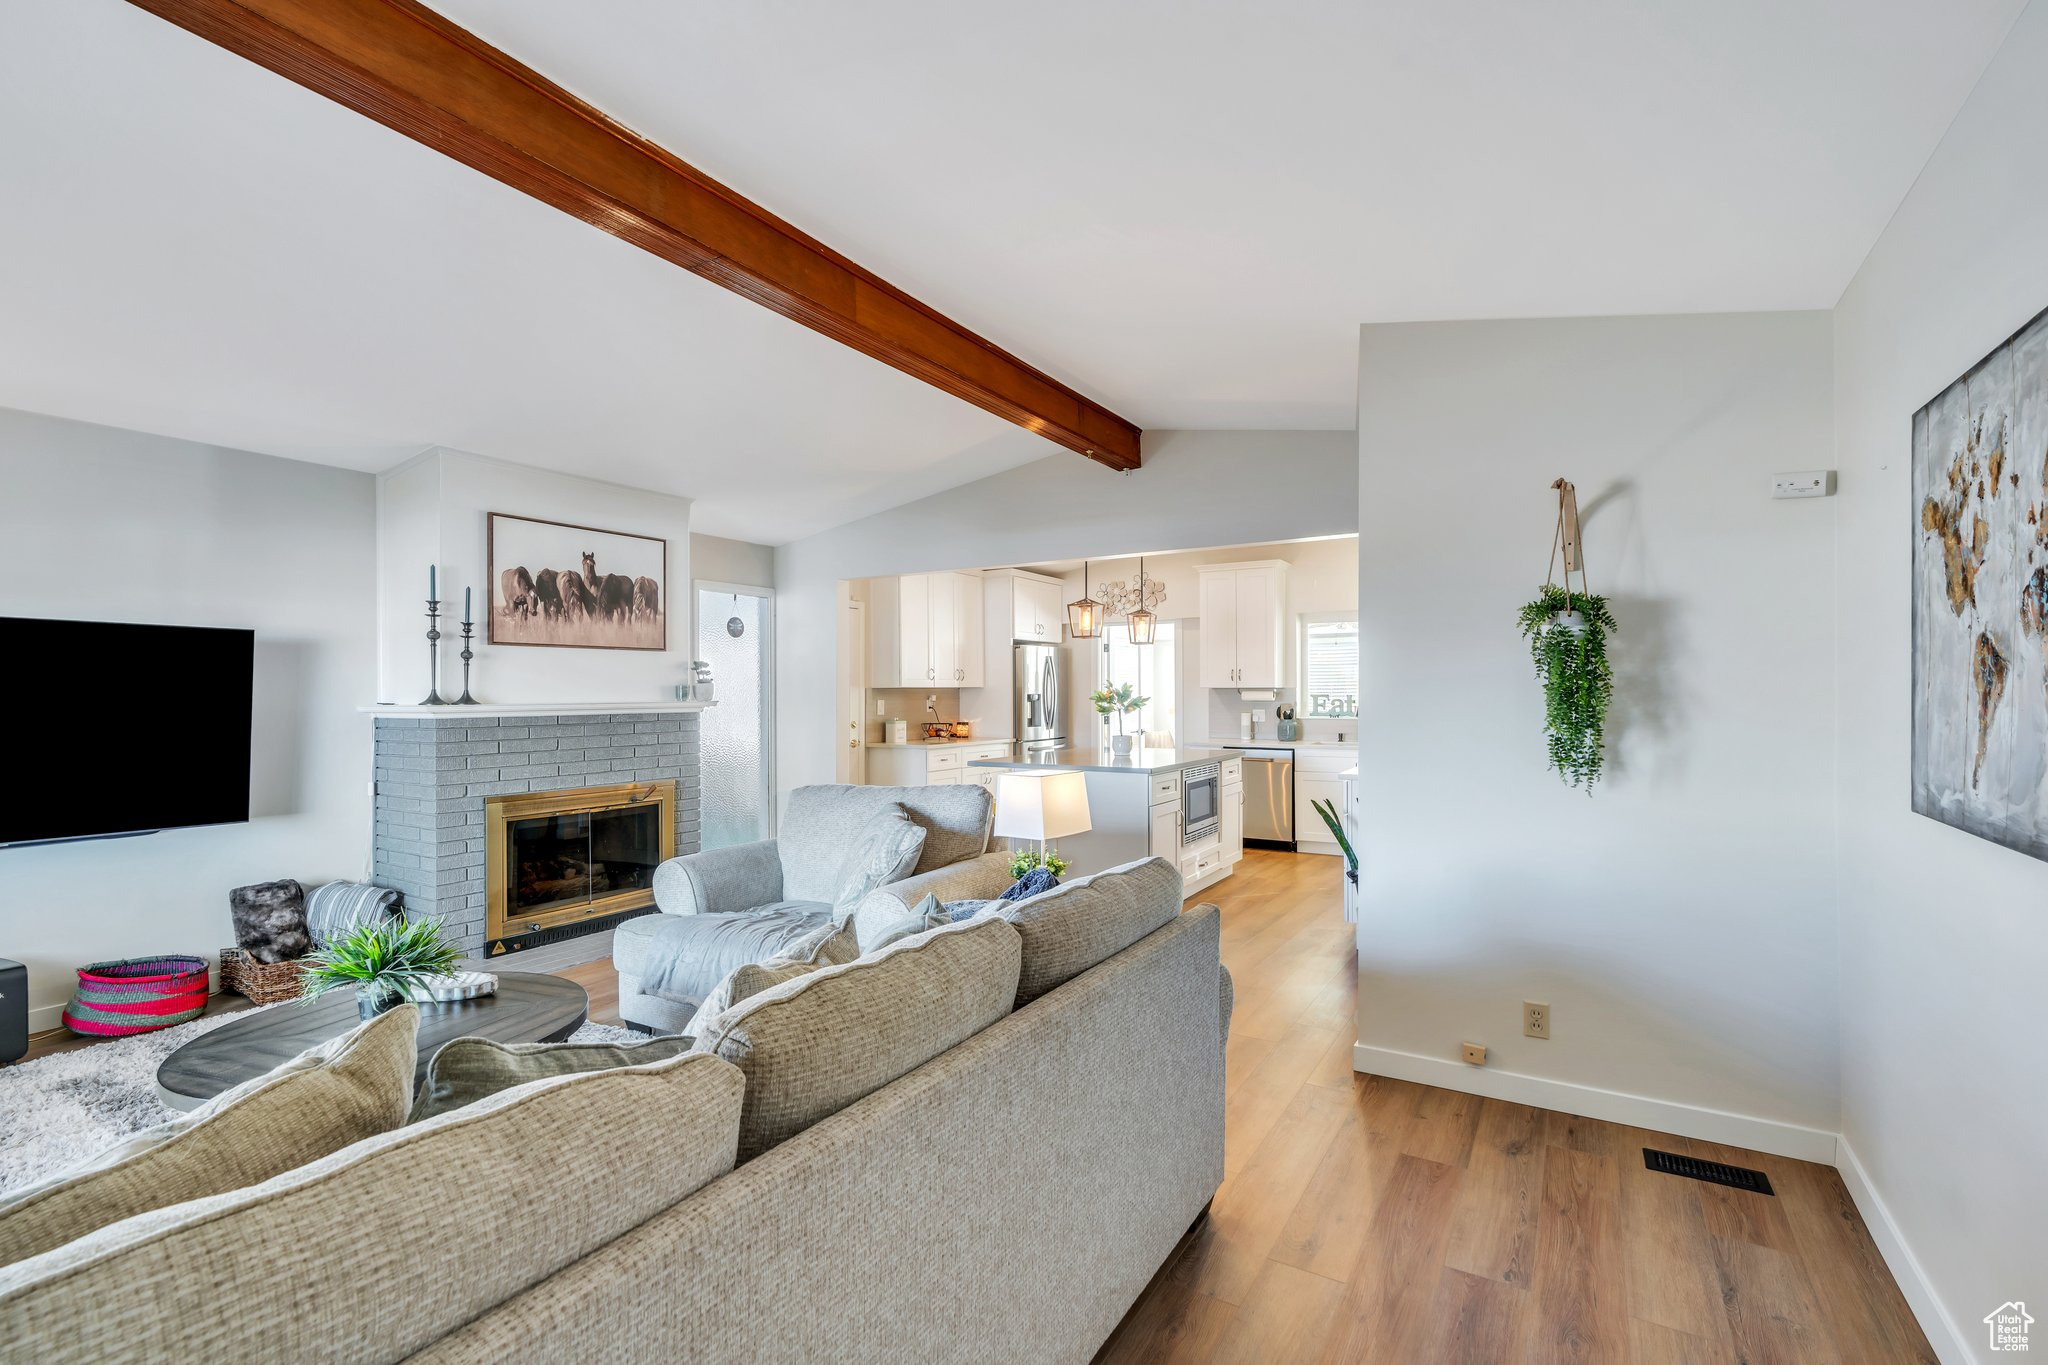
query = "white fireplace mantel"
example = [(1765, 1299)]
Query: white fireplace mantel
[(539, 708)]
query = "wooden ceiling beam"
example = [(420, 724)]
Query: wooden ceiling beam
[(410, 69)]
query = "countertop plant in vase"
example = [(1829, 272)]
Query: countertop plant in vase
[(1119, 701), (388, 962)]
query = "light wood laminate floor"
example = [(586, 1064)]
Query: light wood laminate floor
[(1374, 1221)]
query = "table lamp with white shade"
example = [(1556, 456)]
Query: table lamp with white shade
[(1041, 806)]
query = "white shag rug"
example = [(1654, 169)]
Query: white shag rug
[(58, 1111)]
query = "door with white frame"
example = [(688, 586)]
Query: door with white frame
[(736, 636)]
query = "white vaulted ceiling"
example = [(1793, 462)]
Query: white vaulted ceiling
[(1184, 210)]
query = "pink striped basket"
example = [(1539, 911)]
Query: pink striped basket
[(139, 995)]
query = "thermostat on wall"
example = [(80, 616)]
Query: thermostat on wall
[(1806, 483)]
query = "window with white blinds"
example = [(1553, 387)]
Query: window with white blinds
[(1329, 668)]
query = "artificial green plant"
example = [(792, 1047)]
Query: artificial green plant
[(381, 959), (1567, 635)]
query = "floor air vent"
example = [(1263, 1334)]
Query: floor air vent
[(1713, 1172)]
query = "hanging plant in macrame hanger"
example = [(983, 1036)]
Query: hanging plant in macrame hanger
[(1567, 635)]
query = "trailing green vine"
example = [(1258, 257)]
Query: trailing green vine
[(1571, 663)]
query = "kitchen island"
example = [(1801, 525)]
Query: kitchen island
[(1184, 805)]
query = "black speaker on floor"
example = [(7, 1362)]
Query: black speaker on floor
[(13, 1010)]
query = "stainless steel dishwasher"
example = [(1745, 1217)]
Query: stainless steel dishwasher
[(1268, 797)]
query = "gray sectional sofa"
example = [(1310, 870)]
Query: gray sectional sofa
[(774, 891), (976, 1144)]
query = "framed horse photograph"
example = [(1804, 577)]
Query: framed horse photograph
[(575, 587)]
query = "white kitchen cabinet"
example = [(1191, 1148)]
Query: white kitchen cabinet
[(1036, 611), (1311, 835), (1231, 799), (1244, 624), (1318, 777), (933, 765), (927, 631), (969, 655), (1165, 840)]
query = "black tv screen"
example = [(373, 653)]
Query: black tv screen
[(122, 729)]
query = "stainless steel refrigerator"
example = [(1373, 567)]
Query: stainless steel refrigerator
[(1041, 700)]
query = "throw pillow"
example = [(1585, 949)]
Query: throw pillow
[(741, 982), (270, 920), (467, 1069), (354, 1087), (812, 1046), (883, 920), (887, 852), (828, 946), (335, 909)]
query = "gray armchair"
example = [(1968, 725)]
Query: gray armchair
[(729, 906)]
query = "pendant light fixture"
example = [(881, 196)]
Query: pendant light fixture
[(1084, 618), (1143, 622)]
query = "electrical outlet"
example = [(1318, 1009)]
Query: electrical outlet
[(1474, 1053), (1535, 1019)]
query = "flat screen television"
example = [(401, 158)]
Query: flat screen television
[(118, 729)]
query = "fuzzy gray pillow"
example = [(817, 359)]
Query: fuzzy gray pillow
[(270, 921)]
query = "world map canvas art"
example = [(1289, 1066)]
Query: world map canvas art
[(1980, 598)]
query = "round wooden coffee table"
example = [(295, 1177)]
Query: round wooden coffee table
[(528, 1008)]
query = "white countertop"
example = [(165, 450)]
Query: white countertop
[(1103, 761), (1264, 742), (939, 743)]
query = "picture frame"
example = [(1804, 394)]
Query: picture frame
[(541, 591)]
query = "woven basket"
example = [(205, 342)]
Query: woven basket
[(138, 995), (264, 982)]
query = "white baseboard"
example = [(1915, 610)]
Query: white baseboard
[(43, 1018), (1638, 1111), (1943, 1334)]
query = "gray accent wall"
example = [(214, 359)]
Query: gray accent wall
[(435, 773)]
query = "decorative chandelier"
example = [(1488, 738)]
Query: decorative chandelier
[(1144, 623), (1084, 618)]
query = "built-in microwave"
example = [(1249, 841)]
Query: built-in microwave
[(1201, 801)]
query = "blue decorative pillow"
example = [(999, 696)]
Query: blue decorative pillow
[(1036, 882), (957, 911)]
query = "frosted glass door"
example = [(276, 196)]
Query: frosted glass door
[(734, 631)]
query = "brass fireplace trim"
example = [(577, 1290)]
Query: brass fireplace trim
[(500, 811)]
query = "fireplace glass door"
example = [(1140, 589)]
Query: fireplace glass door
[(564, 861)]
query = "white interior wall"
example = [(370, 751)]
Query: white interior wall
[(1680, 922), (106, 525), (434, 510), (1944, 942), (1192, 492)]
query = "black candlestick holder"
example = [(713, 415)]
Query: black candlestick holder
[(465, 699), (434, 697)]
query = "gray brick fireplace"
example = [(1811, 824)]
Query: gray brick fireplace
[(435, 772)]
